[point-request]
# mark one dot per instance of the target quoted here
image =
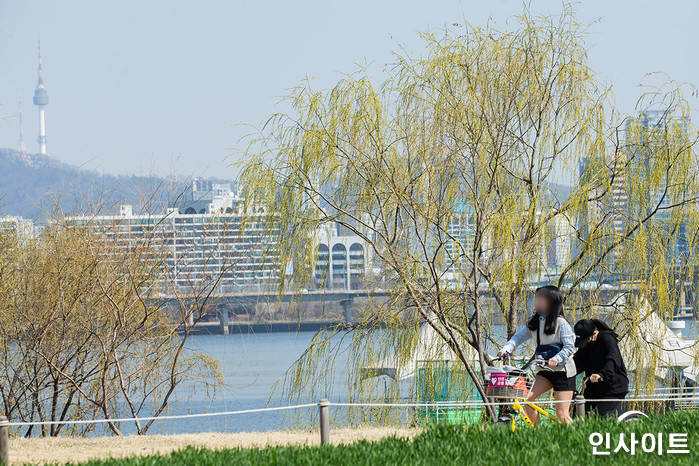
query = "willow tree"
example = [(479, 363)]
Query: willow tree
[(96, 325), (450, 171)]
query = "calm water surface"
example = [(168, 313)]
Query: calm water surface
[(251, 364)]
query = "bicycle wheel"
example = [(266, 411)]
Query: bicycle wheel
[(630, 416)]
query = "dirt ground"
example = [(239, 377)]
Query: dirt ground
[(61, 450)]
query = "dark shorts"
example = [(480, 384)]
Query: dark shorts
[(559, 380), (604, 408)]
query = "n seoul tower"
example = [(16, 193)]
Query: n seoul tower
[(41, 100)]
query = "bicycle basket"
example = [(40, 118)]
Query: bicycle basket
[(508, 384)]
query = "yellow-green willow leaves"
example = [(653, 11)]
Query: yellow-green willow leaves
[(475, 131)]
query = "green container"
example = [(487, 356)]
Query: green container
[(441, 382)]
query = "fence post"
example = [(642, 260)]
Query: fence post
[(579, 406), (4, 441), (324, 421)]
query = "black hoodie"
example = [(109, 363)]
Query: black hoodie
[(603, 357)]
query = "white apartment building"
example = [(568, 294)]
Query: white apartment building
[(207, 238)]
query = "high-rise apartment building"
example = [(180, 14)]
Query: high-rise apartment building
[(649, 131), (208, 237)]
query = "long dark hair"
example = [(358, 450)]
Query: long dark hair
[(554, 298), (601, 325)]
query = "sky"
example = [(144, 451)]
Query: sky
[(143, 87)]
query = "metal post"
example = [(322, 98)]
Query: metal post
[(324, 421), (4, 442), (579, 406)]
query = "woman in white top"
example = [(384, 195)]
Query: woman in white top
[(549, 327)]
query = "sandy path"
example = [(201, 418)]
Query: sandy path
[(41, 450)]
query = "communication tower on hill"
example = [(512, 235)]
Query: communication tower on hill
[(41, 100)]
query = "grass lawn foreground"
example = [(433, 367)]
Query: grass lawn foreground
[(452, 444)]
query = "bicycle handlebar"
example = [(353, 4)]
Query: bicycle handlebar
[(506, 355), (542, 363)]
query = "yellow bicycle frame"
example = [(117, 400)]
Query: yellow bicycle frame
[(517, 406)]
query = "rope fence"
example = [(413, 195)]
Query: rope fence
[(435, 404), (155, 418), (324, 416)]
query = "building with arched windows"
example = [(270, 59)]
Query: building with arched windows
[(342, 261)]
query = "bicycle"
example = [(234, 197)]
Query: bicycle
[(513, 384)]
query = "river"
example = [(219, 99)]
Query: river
[(251, 364)]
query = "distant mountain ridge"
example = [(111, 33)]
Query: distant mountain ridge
[(44, 184)]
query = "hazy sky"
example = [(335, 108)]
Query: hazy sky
[(143, 86)]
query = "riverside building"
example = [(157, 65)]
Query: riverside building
[(24, 228), (342, 261), (207, 239)]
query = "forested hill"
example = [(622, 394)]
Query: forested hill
[(43, 184)]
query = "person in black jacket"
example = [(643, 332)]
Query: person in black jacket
[(599, 357)]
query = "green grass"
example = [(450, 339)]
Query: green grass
[(449, 444)]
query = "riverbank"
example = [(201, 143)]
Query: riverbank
[(244, 327), (64, 450)]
